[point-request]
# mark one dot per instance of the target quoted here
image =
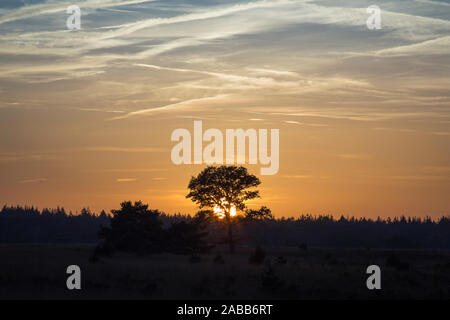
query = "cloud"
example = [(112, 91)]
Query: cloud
[(306, 177), (273, 72), (395, 129), (37, 180), (126, 179), (80, 56), (128, 170), (99, 110), (355, 156), (236, 37), (437, 3), (415, 178), (242, 82), (429, 47), (30, 11), (130, 28), (298, 176), (14, 157), (351, 113), (441, 133), (188, 104), (124, 149)]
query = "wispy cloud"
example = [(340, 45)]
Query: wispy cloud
[(126, 179), (188, 104), (80, 57), (124, 149), (49, 7), (298, 176), (437, 3), (130, 28), (36, 180), (22, 156), (436, 46), (441, 133), (354, 156)]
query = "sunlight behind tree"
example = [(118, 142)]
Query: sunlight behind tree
[(220, 213), (225, 190)]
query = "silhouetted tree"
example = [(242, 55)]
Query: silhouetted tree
[(186, 237), (225, 187), (134, 228), (261, 214)]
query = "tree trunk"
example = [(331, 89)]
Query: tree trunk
[(230, 238)]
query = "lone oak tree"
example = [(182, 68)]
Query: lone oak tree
[(226, 188)]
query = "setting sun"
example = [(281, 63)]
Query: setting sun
[(221, 213)]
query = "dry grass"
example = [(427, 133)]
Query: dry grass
[(38, 272)]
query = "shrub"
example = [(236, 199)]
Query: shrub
[(258, 256), (195, 258), (135, 228), (397, 263), (218, 259), (269, 279), (281, 260)]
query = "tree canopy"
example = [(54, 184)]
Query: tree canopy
[(224, 189), (223, 186)]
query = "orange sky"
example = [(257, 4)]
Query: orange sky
[(86, 116)]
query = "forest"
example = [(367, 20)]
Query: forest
[(20, 224)]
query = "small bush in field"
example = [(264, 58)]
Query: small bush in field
[(218, 259), (331, 260), (94, 258), (150, 288), (395, 262), (269, 279), (195, 258), (100, 250), (281, 260), (257, 256)]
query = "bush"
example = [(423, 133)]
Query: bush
[(269, 279), (395, 262), (135, 228), (195, 258), (150, 288), (218, 259), (281, 260), (258, 256)]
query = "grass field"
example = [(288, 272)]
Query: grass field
[(39, 272)]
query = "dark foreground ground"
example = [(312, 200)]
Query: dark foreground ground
[(39, 272)]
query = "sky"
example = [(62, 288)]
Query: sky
[(86, 116)]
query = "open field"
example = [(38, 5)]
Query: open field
[(39, 272)]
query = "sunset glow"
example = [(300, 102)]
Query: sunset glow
[(86, 116), (220, 213)]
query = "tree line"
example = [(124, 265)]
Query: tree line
[(221, 193), (19, 224)]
